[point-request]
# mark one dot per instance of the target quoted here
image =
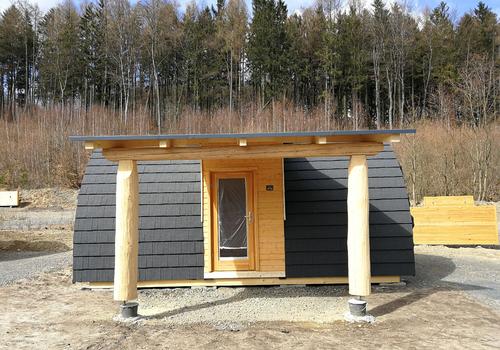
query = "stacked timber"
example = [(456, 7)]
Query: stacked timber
[(454, 220)]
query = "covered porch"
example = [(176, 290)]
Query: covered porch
[(244, 155)]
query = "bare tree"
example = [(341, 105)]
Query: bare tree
[(123, 47)]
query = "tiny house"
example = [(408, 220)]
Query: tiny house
[(242, 209)]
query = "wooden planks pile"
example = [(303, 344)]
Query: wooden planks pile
[(454, 221)]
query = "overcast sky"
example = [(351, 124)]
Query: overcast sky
[(456, 6)]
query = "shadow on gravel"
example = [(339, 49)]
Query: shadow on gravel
[(238, 297), (430, 272), (252, 292), (14, 254)]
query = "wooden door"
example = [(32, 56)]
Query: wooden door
[(233, 247)]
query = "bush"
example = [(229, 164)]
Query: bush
[(443, 161), (438, 160)]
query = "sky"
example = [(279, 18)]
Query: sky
[(458, 7)]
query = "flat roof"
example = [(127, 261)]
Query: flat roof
[(248, 145), (332, 133)]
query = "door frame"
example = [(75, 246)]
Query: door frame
[(233, 264)]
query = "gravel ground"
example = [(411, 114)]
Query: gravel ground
[(473, 270), (18, 265), (448, 305), (234, 307), (32, 219), (50, 312)]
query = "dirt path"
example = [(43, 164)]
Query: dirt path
[(433, 311)]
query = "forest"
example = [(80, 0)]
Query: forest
[(110, 67)]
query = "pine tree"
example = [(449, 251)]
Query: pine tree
[(268, 48), (16, 42), (378, 26), (61, 69)]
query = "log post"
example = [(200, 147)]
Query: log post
[(358, 238), (127, 231)]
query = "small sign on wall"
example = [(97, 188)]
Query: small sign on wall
[(269, 187)]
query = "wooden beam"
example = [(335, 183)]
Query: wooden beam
[(249, 152), (127, 231), (229, 141), (358, 238), (245, 282)]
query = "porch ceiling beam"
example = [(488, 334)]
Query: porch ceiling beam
[(248, 152)]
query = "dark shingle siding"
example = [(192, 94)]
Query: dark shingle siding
[(170, 228), (316, 217)]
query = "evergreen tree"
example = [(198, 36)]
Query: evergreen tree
[(16, 43), (93, 53), (363, 67), (60, 61), (268, 48)]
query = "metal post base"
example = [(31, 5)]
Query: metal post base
[(357, 312), (128, 310), (357, 307)]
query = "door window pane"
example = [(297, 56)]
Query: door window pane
[(233, 242)]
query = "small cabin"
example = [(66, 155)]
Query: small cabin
[(242, 209)]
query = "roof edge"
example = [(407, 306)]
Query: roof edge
[(84, 138)]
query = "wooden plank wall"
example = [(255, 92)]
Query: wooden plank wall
[(269, 228), (454, 221)]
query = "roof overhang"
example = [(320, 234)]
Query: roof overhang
[(255, 145)]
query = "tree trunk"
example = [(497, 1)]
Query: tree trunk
[(376, 72), (390, 93), (231, 82)]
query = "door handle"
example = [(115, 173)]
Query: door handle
[(249, 217)]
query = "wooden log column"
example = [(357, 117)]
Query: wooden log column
[(127, 231), (358, 238)]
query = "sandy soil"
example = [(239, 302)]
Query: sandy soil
[(444, 307), (31, 229), (477, 252), (51, 240), (63, 198)]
